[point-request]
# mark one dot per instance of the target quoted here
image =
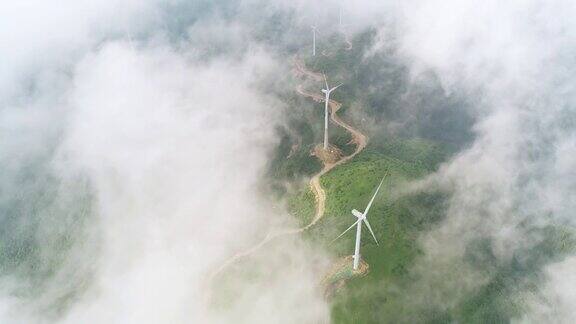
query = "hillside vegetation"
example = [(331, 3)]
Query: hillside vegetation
[(399, 216)]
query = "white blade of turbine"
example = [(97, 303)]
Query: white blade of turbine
[(318, 32), (336, 87), (370, 229), (372, 200), (326, 81), (349, 228)]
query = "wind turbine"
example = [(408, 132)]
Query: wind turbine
[(327, 92), (361, 218), (313, 40)]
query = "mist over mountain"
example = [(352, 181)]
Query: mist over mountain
[(152, 151)]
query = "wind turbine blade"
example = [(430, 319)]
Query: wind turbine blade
[(372, 200), (349, 228), (326, 81), (370, 229), (336, 87)]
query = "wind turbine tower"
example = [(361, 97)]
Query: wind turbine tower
[(313, 40), (327, 93), (361, 218)]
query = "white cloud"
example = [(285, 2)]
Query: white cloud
[(173, 151), (554, 303), (511, 57)]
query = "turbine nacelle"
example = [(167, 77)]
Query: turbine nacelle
[(328, 89), (358, 214)]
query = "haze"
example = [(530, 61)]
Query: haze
[(139, 140)]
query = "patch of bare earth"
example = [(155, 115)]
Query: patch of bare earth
[(341, 272), (328, 156)]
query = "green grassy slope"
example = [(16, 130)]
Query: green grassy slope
[(396, 222), (384, 295)]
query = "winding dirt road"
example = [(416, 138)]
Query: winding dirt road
[(320, 195)]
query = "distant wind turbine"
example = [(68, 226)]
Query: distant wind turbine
[(327, 92), (361, 218), (313, 40)]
